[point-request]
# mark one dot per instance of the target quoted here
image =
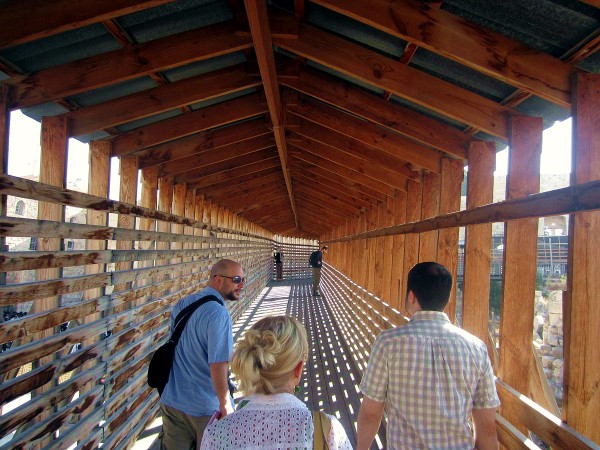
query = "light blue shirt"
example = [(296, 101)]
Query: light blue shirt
[(206, 339)]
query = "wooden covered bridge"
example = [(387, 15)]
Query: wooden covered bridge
[(239, 128)]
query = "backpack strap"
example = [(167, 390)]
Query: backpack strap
[(185, 314), (322, 425)]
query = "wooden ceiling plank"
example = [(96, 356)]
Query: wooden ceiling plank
[(356, 148), (261, 36), (406, 82), (344, 172), (210, 157), (225, 166), (368, 133), (126, 64), (160, 99), (364, 166), (242, 186), (232, 196), (466, 43), (357, 101), (232, 174), (184, 125), (28, 20), (208, 140)]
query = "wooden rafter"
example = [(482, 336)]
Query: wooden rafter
[(404, 81), (466, 43), (181, 126), (409, 123), (122, 65), (203, 141), (419, 156), (259, 27), (28, 20), (160, 99), (227, 166)]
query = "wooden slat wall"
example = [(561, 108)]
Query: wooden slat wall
[(361, 316), (296, 253), (118, 329)]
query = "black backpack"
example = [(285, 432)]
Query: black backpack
[(162, 360), (314, 259)]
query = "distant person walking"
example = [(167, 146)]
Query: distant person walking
[(316, 262), (279, 265), (198, 384), (430, 376)]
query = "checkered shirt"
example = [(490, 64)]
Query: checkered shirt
[(430, 374)]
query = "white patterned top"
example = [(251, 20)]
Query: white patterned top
[(270, 422), (431, 375)]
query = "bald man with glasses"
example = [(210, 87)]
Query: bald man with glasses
[(198, 384)]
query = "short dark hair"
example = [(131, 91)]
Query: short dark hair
[(325, 248), (431, 283)]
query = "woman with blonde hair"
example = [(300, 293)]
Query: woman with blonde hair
[(268, 363)]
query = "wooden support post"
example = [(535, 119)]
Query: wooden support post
[(372, 249), (4, 135), (397, 290), (198, 212), (430, 207), (148, 200), (581, 407), (362, 253), (165, 202), (190, 205), (447, 251), (128, 194), (98, 184), (53, 171), (388, 248), (520, 259), (411, 241), (377, 264), (179, 193), (478, 238)]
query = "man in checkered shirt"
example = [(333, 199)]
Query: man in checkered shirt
[(430, 376)]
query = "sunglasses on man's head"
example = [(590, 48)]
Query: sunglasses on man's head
[(237, 279)]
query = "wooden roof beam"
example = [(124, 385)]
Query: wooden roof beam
[(347, 145), (261, 36), (368, 133), (228, 165), (409, 83), (160, 99), (344, 184), (466, 43), (126, 64), (341, 171), (231, 175), (212, 157), (243, 185), (358, 196), (344, 95), (28, 20), (184, 125), (304, 184), (209, 140), (364, 166)]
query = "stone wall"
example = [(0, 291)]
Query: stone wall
[(548, 338)]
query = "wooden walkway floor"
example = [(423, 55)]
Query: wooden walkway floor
[(330, 380)]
